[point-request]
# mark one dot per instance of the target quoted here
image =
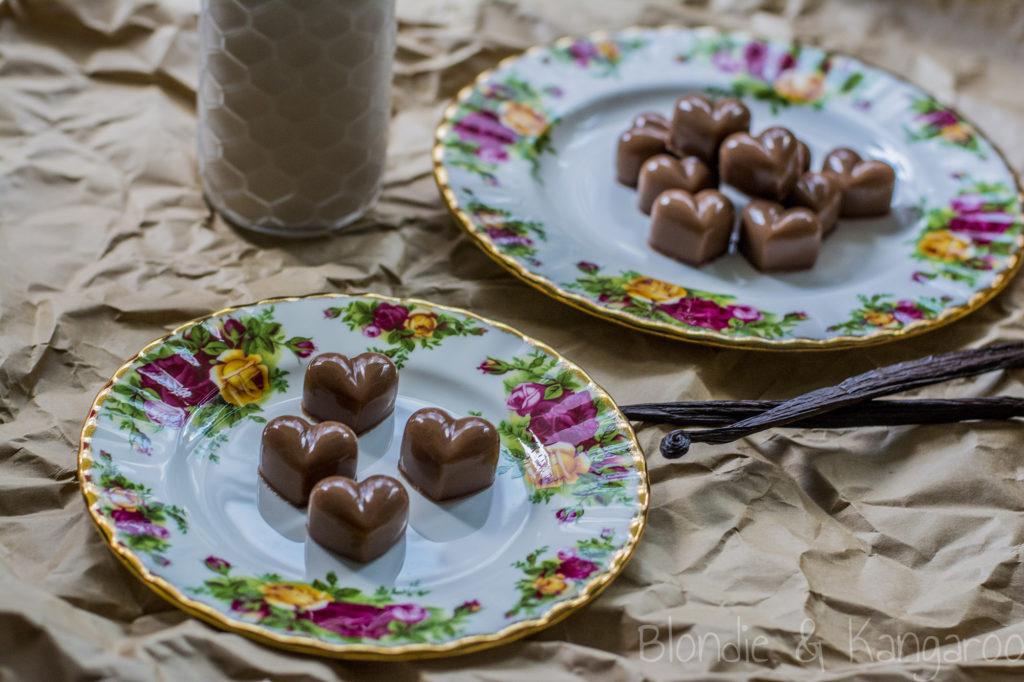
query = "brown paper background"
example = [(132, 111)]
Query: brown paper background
[(106, 243)]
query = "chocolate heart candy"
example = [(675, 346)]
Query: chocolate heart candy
[(691, 228), (650, 119), (867, 186), (822, 193), (699, 126), (636, 145), (665, 171), (360, 391), (775, 239), (294, 456), (361, 520), (765, 166), (444, 457), (803, 153)]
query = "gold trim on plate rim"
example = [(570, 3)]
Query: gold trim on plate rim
[(305, 645), (552, 289)]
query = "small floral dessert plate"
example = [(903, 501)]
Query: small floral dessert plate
[(168, 465), (525, 160)]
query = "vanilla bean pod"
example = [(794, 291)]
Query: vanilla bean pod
[(868, 413), (896, 378)]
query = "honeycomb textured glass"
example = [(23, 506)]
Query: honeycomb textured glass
[(294, 103)]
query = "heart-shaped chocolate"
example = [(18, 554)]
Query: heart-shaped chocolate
[(765, 166), (822, 193), (651, 119), (636, 145), (699, 125), (867, 186), (361, 520), (294, 456), (691, 228), (803, 153), (444, 457), (358, 391), (665, 171), (776, 240)]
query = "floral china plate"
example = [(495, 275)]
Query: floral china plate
[(168, 466), (525, 160)]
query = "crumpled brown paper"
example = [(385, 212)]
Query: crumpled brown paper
[(794, 554)]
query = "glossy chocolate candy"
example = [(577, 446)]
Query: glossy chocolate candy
[(664, 171), (867, 186), (822, 193), (699, 125), (358, 391), (651, 119), (361, 520), (445, 458), (691, 228), (778, 240), (803, 155), (294, 455), (636, 145), (766, 166)]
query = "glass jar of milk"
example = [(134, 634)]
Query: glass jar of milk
[(294, 103)]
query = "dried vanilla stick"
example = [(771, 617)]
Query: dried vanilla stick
[(903, 376)]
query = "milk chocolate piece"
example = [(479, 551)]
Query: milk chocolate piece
[(867, 186), (765, 166), (776, 240), (636, 145), (359, 392), (803, 153), (361, 520), (665, 171), (294, 456), (692, 229), (699, 125), (651, 119), (444, 457), (822, 193)]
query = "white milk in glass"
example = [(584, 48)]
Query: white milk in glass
[(294, 103)]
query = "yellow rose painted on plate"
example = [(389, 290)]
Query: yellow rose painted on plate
[(943, 245), (422, 325), (551, 585), (655, 290), (556, 464), (294, 596), (957, 133), (122, 498), (523, 119), (242, 379), (800, 87), (609, 50), (879, 319)]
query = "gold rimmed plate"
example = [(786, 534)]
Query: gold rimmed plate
[(525, 160), (168, 466)]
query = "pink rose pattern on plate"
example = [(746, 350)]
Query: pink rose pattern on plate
[(977, 233), (653, 299), (403, 327), (601, 58), (882, 312), (139, 521), (561, 439), (504, 119), (510, 235), (326, 610), (934, 121), (215, 375), (558, 577), (777, 73)]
